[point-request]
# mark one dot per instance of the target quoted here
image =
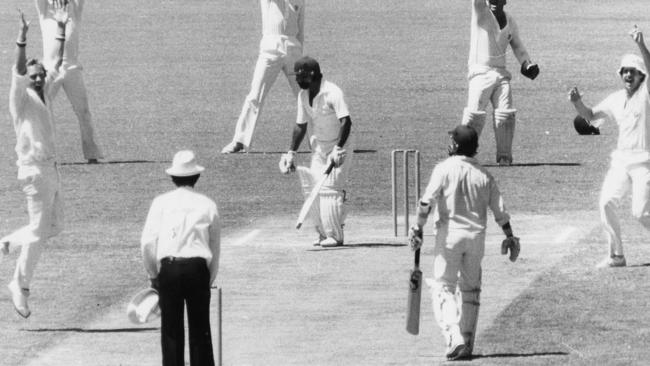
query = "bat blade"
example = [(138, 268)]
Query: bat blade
[(312, 196), (414, 296)]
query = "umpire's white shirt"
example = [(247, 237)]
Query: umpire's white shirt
[(49, 29), (33, 119), (488, 42), (181, 223), (463, 190), (631, 116)]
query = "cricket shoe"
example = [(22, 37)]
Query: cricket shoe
[(233, 147), (330, 242), (503, 161), (613, 261), (19, 298)]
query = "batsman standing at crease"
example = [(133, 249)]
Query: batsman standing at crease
[(73, 82), (492, 30), (33, 86), (180, 248), (321, 103), (283, 24), (629, 108), (460, 190)]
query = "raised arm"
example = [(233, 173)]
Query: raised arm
[(41, 7), (301, 26), (21, 44), (61, 16), (586, 112), (637, 36)]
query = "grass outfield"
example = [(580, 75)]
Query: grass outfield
[(166, 75)]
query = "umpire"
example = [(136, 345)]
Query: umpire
[(180, 247)]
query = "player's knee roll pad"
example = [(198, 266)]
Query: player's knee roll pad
[(504, 132), (475, 119), (332, 213)]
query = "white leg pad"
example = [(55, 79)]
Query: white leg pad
[(307, 182), (445, 309), (332, 214), (469, 315), (504, 132), (475, 119)]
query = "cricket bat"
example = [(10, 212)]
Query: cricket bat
[(312, 196), (415, 292)]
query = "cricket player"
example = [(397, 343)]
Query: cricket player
[(492, 30), (460, 190), (321, 103), (283, 24), (33, 87), (73, 82), (180, 248), (629, 108)]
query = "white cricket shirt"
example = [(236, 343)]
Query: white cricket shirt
[(327, 108), (631, 116), (33, 120), (461, 190)]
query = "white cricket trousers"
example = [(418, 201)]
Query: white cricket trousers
[(45, 209), (277, 53), (457, 263), (618, 181), (75, 89), (491, 86)]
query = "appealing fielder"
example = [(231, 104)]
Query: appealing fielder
[(281, 46), (322, 103), (73, 83), (461, 191), (629, 108), (33, 87), (180, 248), (492, 30)]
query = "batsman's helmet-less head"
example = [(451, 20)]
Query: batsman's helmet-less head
[(466, 139), (633, 61), (584, 127), (307, 66)]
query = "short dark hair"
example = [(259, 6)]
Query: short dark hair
[(188, 181), (308, 64)]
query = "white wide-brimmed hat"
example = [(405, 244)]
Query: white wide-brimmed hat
[(143, 307), (184, 165), (633, 61)]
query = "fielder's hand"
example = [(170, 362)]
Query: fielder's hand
[(512, 244), (337, 156), (287, 162), (415, 237), (529, 70), (637, 35), (574, 95)]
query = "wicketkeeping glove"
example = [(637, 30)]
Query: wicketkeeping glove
[(287, 164), (415, 237), (337, 156), (512, 244), (584, 127), (529, 70)]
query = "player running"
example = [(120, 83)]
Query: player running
[(630, 161)]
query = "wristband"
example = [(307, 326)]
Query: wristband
[(60, 38), (21, 44)]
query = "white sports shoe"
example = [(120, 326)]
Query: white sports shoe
[(456, 347), (613, 261), (19, 298), (503, 161), (330, 242), (233, 147)]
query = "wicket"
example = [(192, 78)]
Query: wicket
[(405, 157)]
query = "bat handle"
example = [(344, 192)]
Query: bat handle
[(329, 168), (417, 258)]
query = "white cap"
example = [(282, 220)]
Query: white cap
[(184, 164), (143, 307), (633, 61)]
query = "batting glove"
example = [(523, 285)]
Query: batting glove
[(415, 237), (529, 70), (337, 156), (511, 243), (287, 162)]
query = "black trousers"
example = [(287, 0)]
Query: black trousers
[(185, 281)]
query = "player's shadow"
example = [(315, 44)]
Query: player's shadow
[(95, 330), (113, 162), (358, 245), (640, 265), (530, 165), (518, 355)]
